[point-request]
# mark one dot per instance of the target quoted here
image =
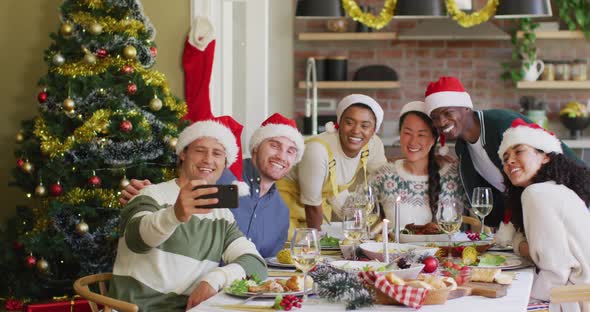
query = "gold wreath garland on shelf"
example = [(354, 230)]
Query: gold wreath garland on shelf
[(377, 22), (476, 18)]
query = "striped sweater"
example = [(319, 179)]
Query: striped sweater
[(161, 260)]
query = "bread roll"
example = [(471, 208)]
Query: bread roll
[(486, 275), (393, 279)]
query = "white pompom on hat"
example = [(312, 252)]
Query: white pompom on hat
[(278, 125), (531, 134), (227, 132), (349, 100), (446, 92)]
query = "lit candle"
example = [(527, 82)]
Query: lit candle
[(385, 240), (397, 221)]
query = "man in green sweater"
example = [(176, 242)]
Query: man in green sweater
[(168, 258)]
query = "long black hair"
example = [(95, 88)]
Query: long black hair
[(433, 167), (561, 169)]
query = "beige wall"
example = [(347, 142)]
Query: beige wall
[(25, 26)]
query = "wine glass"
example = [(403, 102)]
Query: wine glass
[(482, 203), (449, 216), (305, 251), (365, 197), (353, 225)]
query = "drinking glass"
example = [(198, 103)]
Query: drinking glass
[(353, 226), (449, 217), (365, 197), (482, 203), (305, 251)]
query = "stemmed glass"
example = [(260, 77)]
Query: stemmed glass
[(353, 225), (305, 251), (365, 197), (449, 217), (482, 203)]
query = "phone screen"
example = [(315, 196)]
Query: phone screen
[(227, 194)]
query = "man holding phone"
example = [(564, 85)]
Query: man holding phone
[(262, 215), (169, 254)]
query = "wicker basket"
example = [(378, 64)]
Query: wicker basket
[(434, 296)]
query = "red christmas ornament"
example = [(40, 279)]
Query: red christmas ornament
[(102, 53), (42, 97), (13, 305), (131, 88), (20, 162), (94, 180), (56, 189), (126, 126), (16, 245), (154, 51), (430, 264), (127, 69), (30, 261)]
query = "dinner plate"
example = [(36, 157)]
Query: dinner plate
[(267, 295), (411, 238), (512, 261), (275, 263), (500, 248)]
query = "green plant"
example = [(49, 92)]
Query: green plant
[(524, 52), (575, 13)]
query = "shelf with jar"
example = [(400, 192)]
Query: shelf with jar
[(559, 85), (563, 75)]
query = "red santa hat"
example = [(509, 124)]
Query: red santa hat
[(197, 61), (227, 132), (278, 125), (446, 92), (531, 134), (349, 100)]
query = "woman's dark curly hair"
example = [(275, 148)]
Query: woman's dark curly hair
[(433, 168), (561, 169)]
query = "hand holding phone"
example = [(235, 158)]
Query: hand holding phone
[(227, 195)]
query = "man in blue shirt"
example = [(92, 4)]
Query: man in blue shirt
[(262, 216)]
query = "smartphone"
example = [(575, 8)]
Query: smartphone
[(227, 194)]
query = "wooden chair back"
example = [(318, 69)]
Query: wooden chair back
[(572, 293), (82, 289)]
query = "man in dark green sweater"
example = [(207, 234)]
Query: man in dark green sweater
[(478, 135)]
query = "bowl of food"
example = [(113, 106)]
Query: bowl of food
[(375, 250), (379, 267)]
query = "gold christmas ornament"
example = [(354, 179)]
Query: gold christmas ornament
[(124, 182), (66, 29), (89, 58), (172, 143), (28, 167), (40, 190), (129, 52), (155, 104), (476, 18), (20, 137), (82, 227), (58, 59), (95, 29), (377, 22), (69, 105), (42, 266)]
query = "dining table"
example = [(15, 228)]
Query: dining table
[(516, 300)]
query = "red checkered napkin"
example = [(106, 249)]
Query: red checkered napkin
[(407, 295)]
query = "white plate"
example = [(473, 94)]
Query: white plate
[(411, 238), (266, 295), (275, 263), (375, 250), (358, 266), (500, 248), (512, 261)]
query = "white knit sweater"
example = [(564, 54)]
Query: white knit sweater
[(557, 224)]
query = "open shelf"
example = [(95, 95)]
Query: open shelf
[(316, 36), (560, 34), (561, 85), (354, 84)]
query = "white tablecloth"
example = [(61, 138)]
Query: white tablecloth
[(515, 301)]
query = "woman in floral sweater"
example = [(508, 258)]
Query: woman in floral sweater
[(417, 179)]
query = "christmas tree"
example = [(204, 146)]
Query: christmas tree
[(103, 115)]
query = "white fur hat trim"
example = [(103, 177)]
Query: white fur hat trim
[(278, 130), (212, 129)]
